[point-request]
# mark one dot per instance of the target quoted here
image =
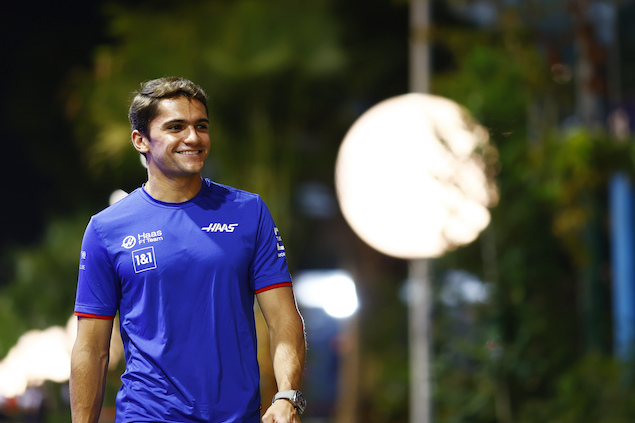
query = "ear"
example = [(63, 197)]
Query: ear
[(140, 142)]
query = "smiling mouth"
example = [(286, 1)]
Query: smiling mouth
[(190, 152)]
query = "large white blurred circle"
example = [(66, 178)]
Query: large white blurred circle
[(409, 179)]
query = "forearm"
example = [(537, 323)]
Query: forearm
[(87, 383), (288, 351)]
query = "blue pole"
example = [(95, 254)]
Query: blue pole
[(621, 201)]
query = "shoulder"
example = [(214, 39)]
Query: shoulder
[(122, 209), (231, 194)]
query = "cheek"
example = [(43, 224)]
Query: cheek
[(170, 144), (206, 141)]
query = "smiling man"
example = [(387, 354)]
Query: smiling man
[(181, 260)]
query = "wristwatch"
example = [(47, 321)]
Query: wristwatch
[(294, 397)]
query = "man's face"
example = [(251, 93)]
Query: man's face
[(178, 139)]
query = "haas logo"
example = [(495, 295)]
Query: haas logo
[(219, 227), (129, 242)]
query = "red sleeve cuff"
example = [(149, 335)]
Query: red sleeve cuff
[(276, 285), (94, 316)]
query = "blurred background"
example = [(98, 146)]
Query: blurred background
[(531, 322)]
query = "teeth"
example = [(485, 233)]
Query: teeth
[(189, 153)]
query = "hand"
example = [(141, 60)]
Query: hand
[(281, 411)]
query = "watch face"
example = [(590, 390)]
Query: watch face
[(300, 401)]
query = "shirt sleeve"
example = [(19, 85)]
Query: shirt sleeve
[(269, 267), (97, 284)]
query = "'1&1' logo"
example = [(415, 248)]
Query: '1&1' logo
[(144, 259)]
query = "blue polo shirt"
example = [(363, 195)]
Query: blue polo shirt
[(183, 277)]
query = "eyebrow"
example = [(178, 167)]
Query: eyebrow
[(173, 121)]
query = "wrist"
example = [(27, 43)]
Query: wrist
[(294, 397)]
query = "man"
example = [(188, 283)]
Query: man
[(181, 259)]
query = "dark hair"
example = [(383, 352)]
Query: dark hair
[(146, 101)]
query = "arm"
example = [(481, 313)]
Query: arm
[(89, 363), (288, 348)]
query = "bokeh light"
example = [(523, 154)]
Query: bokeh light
[(411, 179), (332, 290)]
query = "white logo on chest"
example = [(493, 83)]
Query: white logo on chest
[(129, 242), (220, 227)]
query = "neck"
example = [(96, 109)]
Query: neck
[(173, 190)]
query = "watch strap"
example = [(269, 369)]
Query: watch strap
[(294, 397)]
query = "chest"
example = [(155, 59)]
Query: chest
[(183, 244)]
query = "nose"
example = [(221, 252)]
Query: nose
[(192, 135)]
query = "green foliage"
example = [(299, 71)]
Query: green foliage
[(496, 75), (465, 366), (549, 195), (274, 71), (384, 377), (546, 250), (594, 389), (571, 168), (257, 61), (42, 289)]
